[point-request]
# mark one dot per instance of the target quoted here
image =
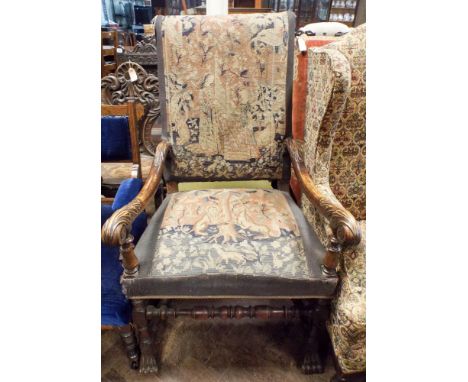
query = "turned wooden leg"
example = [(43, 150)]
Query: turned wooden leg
[(147, 360), (128, 338)]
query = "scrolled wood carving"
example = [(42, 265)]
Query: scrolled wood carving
[(117, 228), (118, 88), (148, 46), (342, 222), (143, 53), (149, 39)]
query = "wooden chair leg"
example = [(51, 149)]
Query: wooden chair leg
[(147, 359), (128, 338), (312, 362), (314, 356)]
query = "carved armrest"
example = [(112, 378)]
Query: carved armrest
[(116, 229), (345, 228)]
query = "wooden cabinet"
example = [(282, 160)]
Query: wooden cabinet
[(343, 11)]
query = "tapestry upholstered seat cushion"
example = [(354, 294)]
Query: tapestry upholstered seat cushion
[(229, 242)]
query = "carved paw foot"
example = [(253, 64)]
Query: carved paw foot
[(134, 361), (312, 364), (148, 364)]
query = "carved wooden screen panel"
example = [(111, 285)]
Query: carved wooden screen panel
[(142, 87), (143, 53)]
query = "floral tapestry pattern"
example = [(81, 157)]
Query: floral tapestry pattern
[(225, 94), (230, 231), (347, 325), (335, 155)]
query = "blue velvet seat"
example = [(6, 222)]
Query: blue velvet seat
[(115, 308)]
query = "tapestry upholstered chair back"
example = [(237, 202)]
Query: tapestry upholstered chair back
[(225, 89), (335, 131)]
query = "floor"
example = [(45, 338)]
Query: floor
[(216, 350)]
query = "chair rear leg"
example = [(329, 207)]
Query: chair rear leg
[(148, 362), (127, 336)]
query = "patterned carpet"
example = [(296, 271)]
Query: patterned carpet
[(215, 351)]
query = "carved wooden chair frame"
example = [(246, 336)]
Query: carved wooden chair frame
[(312, 312), (346, 232), (144, 53)]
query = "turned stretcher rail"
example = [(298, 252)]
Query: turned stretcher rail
[(263, 312)]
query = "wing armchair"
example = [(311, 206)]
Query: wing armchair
[(335, 158), (226, 113)]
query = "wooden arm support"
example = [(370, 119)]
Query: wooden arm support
[(116, 230), (345, 228)]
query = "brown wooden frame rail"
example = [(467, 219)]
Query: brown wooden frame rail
[(346, 230), (263, 312)]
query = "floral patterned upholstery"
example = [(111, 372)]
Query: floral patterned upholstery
[(225, 81), (347, 324), (239, 234), (335, 149), (230, 231)]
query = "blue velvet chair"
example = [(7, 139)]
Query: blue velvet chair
[(119, 137), (115, 308)]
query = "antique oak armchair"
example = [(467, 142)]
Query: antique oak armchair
[(335, 158), (226, 112)]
